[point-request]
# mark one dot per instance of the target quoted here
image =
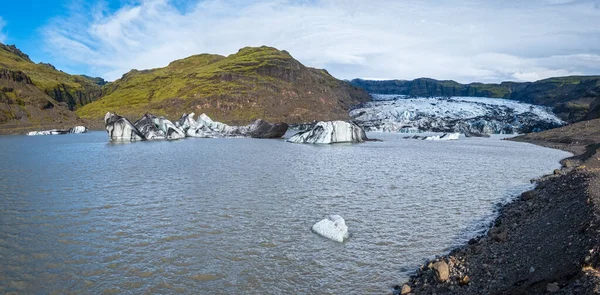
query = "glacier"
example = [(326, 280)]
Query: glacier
[(471, 115)]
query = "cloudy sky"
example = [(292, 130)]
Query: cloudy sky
[(467, 41)]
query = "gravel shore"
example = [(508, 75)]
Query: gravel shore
[(546, 241)]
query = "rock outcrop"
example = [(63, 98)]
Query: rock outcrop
[(333, 227), (331, 132)]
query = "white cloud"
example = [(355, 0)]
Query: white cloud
[(3, 36), (466, 41)]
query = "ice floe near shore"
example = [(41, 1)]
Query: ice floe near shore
[(74, 130)]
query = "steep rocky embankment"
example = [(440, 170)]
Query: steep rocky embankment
[(572, 98), (547, 240), (255, 82)]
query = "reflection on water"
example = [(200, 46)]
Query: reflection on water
[(226, 216)]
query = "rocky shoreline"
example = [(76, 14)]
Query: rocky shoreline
[(545, 241)]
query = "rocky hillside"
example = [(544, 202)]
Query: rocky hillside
[(572, 98), (74, 91), (25, 107), (253, 83)]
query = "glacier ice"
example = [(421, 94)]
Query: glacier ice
[(333, 227), (331, 132), (473, 115), (74, 130), (150, 126), (121, 129)]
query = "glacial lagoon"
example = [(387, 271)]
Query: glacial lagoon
[(233, 216)]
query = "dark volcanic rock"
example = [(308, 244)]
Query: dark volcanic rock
[(546, 241), (263, 129)]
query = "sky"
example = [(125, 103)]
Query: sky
[(466, 41)]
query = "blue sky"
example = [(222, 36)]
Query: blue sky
[(476, 40)]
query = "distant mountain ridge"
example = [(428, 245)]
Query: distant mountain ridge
[(572, 98), (256, 82)]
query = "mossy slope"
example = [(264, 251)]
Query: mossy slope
[(75, 91), (255, 82)]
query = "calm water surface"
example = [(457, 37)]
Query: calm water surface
[(233, 216)]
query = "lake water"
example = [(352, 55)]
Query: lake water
[(232, 216)]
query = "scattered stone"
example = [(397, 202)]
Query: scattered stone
[(405, 289), (442, 272), (552, 287), (501, 236), (464, 281), (528, 195), (557, 172)]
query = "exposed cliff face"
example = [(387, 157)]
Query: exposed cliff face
[(570, 97), (254, 83), (75, 91)]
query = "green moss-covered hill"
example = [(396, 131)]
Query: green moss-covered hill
[(573, 98), (37, 96), (255, 82), (74, 91)]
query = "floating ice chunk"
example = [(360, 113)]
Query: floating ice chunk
[(331, 132), (121, 129), (333, 227), (78, 129)]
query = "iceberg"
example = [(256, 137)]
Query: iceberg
[(74, 130), (331, 132), (147, 127), (333, 227), (78, 130), (150, 127), (121, 129), (168, 128)]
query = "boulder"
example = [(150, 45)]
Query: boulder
[(331, 132), (442, 271), (333, 227), (121, 129), (405, 289), (263, 129)]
